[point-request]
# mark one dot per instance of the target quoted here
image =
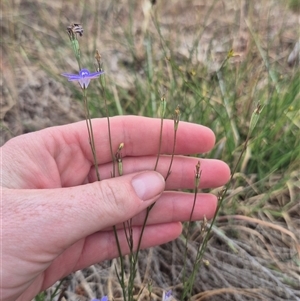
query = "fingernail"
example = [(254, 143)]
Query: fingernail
[(148, 184)]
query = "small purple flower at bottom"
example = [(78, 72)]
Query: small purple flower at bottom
[(105, 298), (167, 296), (84, 77)]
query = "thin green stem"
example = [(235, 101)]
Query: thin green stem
[(162, 114), (176, 119), (110, 141), (93, 148), (73, 31), (91, 134), (129, 237), (122, 280), (227, 107), (109, 129), (56, 290), (142, 231), (186, 241), (187, 284), (160, 142), (200, 254), (158, 155), (173, 153)]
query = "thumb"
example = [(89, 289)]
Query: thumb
[(57, 218)]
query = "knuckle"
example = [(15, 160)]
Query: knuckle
[(113, 197)]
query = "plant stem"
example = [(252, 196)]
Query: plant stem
[(102, 83), (187, 284), (176, 119), (172, 156), (160, 142), (121, 280), (91, 134)]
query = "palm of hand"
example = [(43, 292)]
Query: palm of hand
[(57, 231)]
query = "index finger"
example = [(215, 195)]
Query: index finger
[(140, 136)]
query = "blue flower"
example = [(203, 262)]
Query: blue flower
[(84, 77), (105, 298), (167, 296)]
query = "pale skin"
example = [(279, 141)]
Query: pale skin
[(57, 219)]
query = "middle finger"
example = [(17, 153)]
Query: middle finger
[(214, 173)]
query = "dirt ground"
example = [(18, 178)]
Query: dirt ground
[(261, 261), (32, 99)]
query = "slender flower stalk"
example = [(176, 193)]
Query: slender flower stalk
[(199, 257), (103, 91), (91, 134), (63, 284), (134, 255), (114, 158), (196, 185), (176, 123), (74, 30), (186, 283), (84, 77), (162, 111), (128, 230)]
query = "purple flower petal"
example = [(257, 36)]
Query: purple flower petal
[(96, 73), (167, 296), (84, 82), (105, 298), (73, 77), (84, 77)]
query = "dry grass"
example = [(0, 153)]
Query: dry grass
[(250, 258)]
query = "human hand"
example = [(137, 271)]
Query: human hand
[(57, 219)]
